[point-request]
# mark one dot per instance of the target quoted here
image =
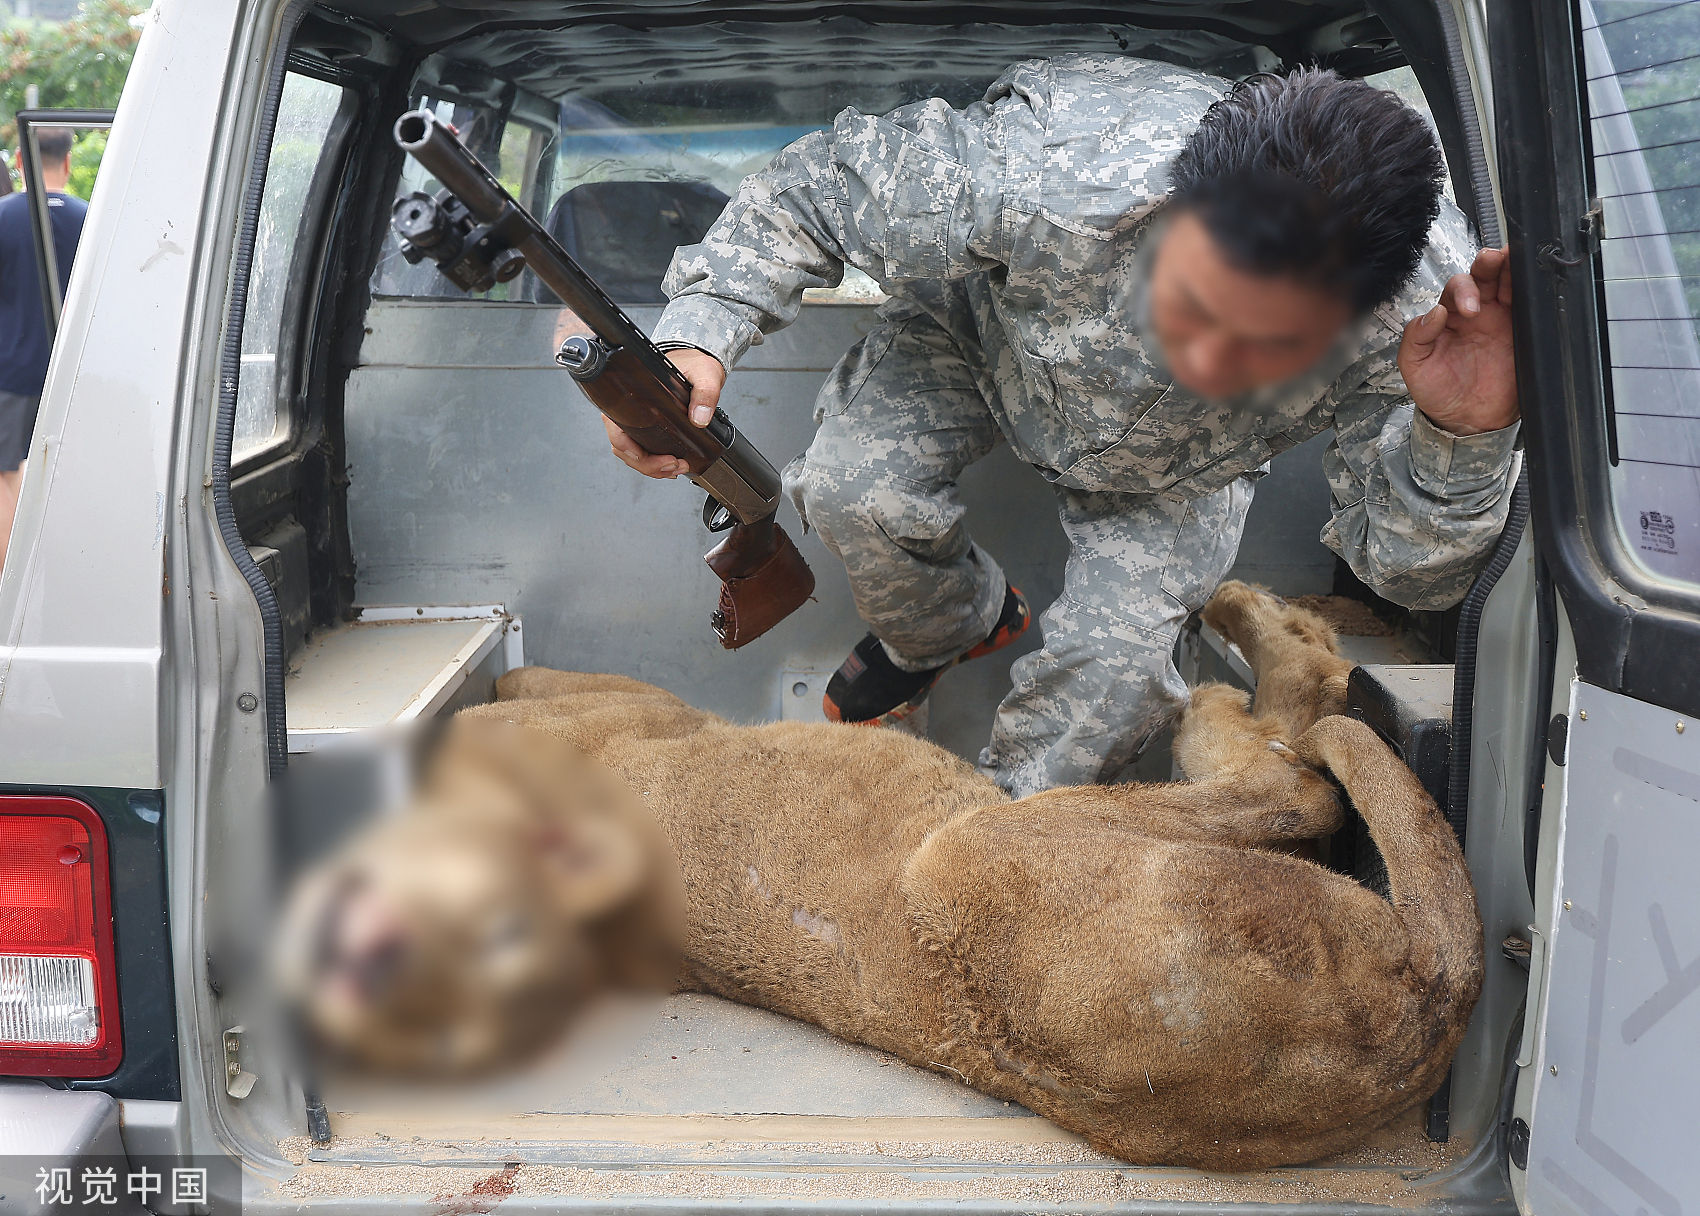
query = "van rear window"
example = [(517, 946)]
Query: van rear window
[(1642, 61)]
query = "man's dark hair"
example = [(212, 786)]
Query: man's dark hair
[(54, 144), (1317, 177)]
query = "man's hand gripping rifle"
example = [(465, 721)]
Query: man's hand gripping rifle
[(479, 236)]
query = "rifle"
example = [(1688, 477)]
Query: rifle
[(478, 236)]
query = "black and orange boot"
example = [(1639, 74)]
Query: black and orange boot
[(869, 689)]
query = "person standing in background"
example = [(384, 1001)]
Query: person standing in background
[(24, 344)]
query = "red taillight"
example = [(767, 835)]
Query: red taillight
[(58, 976)]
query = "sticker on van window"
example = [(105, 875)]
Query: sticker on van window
[(1658, 532)]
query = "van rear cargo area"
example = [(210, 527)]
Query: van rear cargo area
[(415, 479)]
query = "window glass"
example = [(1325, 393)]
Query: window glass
[(303, 124), (1403, 82), (638, 175), (514, 151), (1642, 61), (519, 157), (625, 192)]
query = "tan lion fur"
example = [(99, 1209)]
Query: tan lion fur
[(1139, 963)]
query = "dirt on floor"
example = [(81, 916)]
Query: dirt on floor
[(1350, 618)]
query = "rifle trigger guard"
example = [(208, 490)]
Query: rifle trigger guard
[(715, 516)]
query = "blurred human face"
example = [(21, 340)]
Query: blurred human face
[(1224, 331)]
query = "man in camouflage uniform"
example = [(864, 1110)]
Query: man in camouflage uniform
[(1053, 287)]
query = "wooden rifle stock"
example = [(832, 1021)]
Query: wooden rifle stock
[(479, 236)]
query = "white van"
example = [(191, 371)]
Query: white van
[(287, 487)]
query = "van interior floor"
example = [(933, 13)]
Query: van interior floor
[(691, 1095)]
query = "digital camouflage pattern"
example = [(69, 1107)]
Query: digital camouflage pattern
[(1011, 236)]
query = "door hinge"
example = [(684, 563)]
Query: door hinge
[(1591, 227), (238, 1083), (1537, 977), (1518, 950)]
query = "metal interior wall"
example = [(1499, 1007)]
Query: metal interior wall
[(479, 473)]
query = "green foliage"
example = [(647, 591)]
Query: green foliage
[(80, 64), (85, 162)]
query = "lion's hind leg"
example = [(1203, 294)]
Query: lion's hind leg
[(1301, 676), (1253, 787)]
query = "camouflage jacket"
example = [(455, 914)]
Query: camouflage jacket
[(1035, 201)]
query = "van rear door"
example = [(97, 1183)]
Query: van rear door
[(50, 274), (1599, 112)]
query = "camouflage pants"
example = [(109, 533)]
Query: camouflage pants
[(903, 413)]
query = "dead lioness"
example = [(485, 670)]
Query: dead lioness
[(521, 878), (1141, 964)]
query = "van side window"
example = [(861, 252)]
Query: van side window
[(263, 416), (1643, 89)]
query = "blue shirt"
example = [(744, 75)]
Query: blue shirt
[(23, 329)]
